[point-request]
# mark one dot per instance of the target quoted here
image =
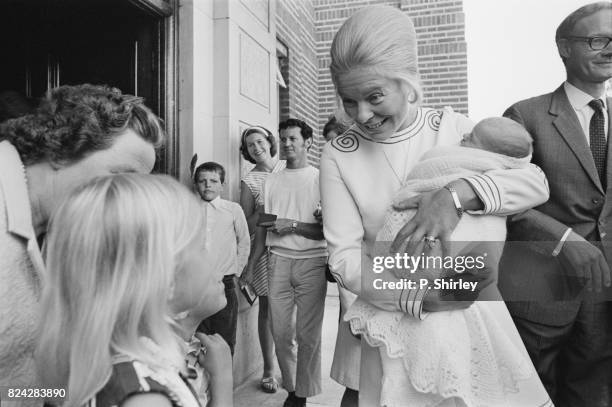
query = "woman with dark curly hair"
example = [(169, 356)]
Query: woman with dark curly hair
[(76, 133), (259, 147)]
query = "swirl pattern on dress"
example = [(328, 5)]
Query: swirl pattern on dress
[(433, 118), (346, 142)]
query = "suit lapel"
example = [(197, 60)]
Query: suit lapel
[(609, 144), (567, 124), (17, 203)]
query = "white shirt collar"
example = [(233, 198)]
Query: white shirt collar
[(215, 203), (16, 196), (580, 99), (17, 202)]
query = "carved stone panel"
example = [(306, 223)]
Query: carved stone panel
[(254, 70)]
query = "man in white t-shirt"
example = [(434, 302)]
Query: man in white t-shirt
[(298, 255)]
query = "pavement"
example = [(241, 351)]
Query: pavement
[(249, 394)]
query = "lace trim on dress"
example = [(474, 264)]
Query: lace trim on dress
[(463, 353)]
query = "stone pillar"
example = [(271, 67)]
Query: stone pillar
[(227, 81), (244, 68), (195, 87), (244, 93)]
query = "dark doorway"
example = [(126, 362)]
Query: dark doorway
[(47, 43)]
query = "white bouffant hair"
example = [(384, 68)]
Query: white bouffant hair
[(381, 38)]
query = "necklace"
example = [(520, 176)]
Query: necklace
[(401, 180)]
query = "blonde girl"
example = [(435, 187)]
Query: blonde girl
[(125, 254)]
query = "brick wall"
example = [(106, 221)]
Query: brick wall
[(440, 27), (295, 28)]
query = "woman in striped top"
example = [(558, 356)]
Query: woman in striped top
[(259, 147)]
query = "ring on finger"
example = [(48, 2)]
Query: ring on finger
[(203, 350), (430, 241)]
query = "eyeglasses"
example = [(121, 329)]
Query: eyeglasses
[(595, 43)]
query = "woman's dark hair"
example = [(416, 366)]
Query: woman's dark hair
[(264, 132), (73, 121), (333, 125)]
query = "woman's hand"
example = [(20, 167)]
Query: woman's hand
[(436, 217), (478, 275), (216, 358), (461, 298)]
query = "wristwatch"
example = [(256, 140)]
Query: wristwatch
[(294, 226), (456, 200)]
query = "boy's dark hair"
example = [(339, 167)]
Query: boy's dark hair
[(305, 129), (212, 167)]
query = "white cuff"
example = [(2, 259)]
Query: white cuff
[(418, 304), (487, 191), (411, 302), (559, 246)]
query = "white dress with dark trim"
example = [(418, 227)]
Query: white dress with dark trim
[(360, 176)]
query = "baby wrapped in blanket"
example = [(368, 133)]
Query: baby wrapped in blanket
[(472, 357)]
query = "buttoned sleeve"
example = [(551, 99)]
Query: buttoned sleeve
[(342, 225), (510, 191)]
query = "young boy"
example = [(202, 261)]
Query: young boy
[(227, 242)]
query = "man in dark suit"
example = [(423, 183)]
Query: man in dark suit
[(557, 285)]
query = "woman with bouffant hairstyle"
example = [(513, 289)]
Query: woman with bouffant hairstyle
[(75, 134), (374, 68)]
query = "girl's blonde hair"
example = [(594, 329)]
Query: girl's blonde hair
[(114, 247), (380, 38)]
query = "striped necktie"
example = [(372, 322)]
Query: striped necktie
[(597, 138)]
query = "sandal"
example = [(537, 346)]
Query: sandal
[(269, 384)]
